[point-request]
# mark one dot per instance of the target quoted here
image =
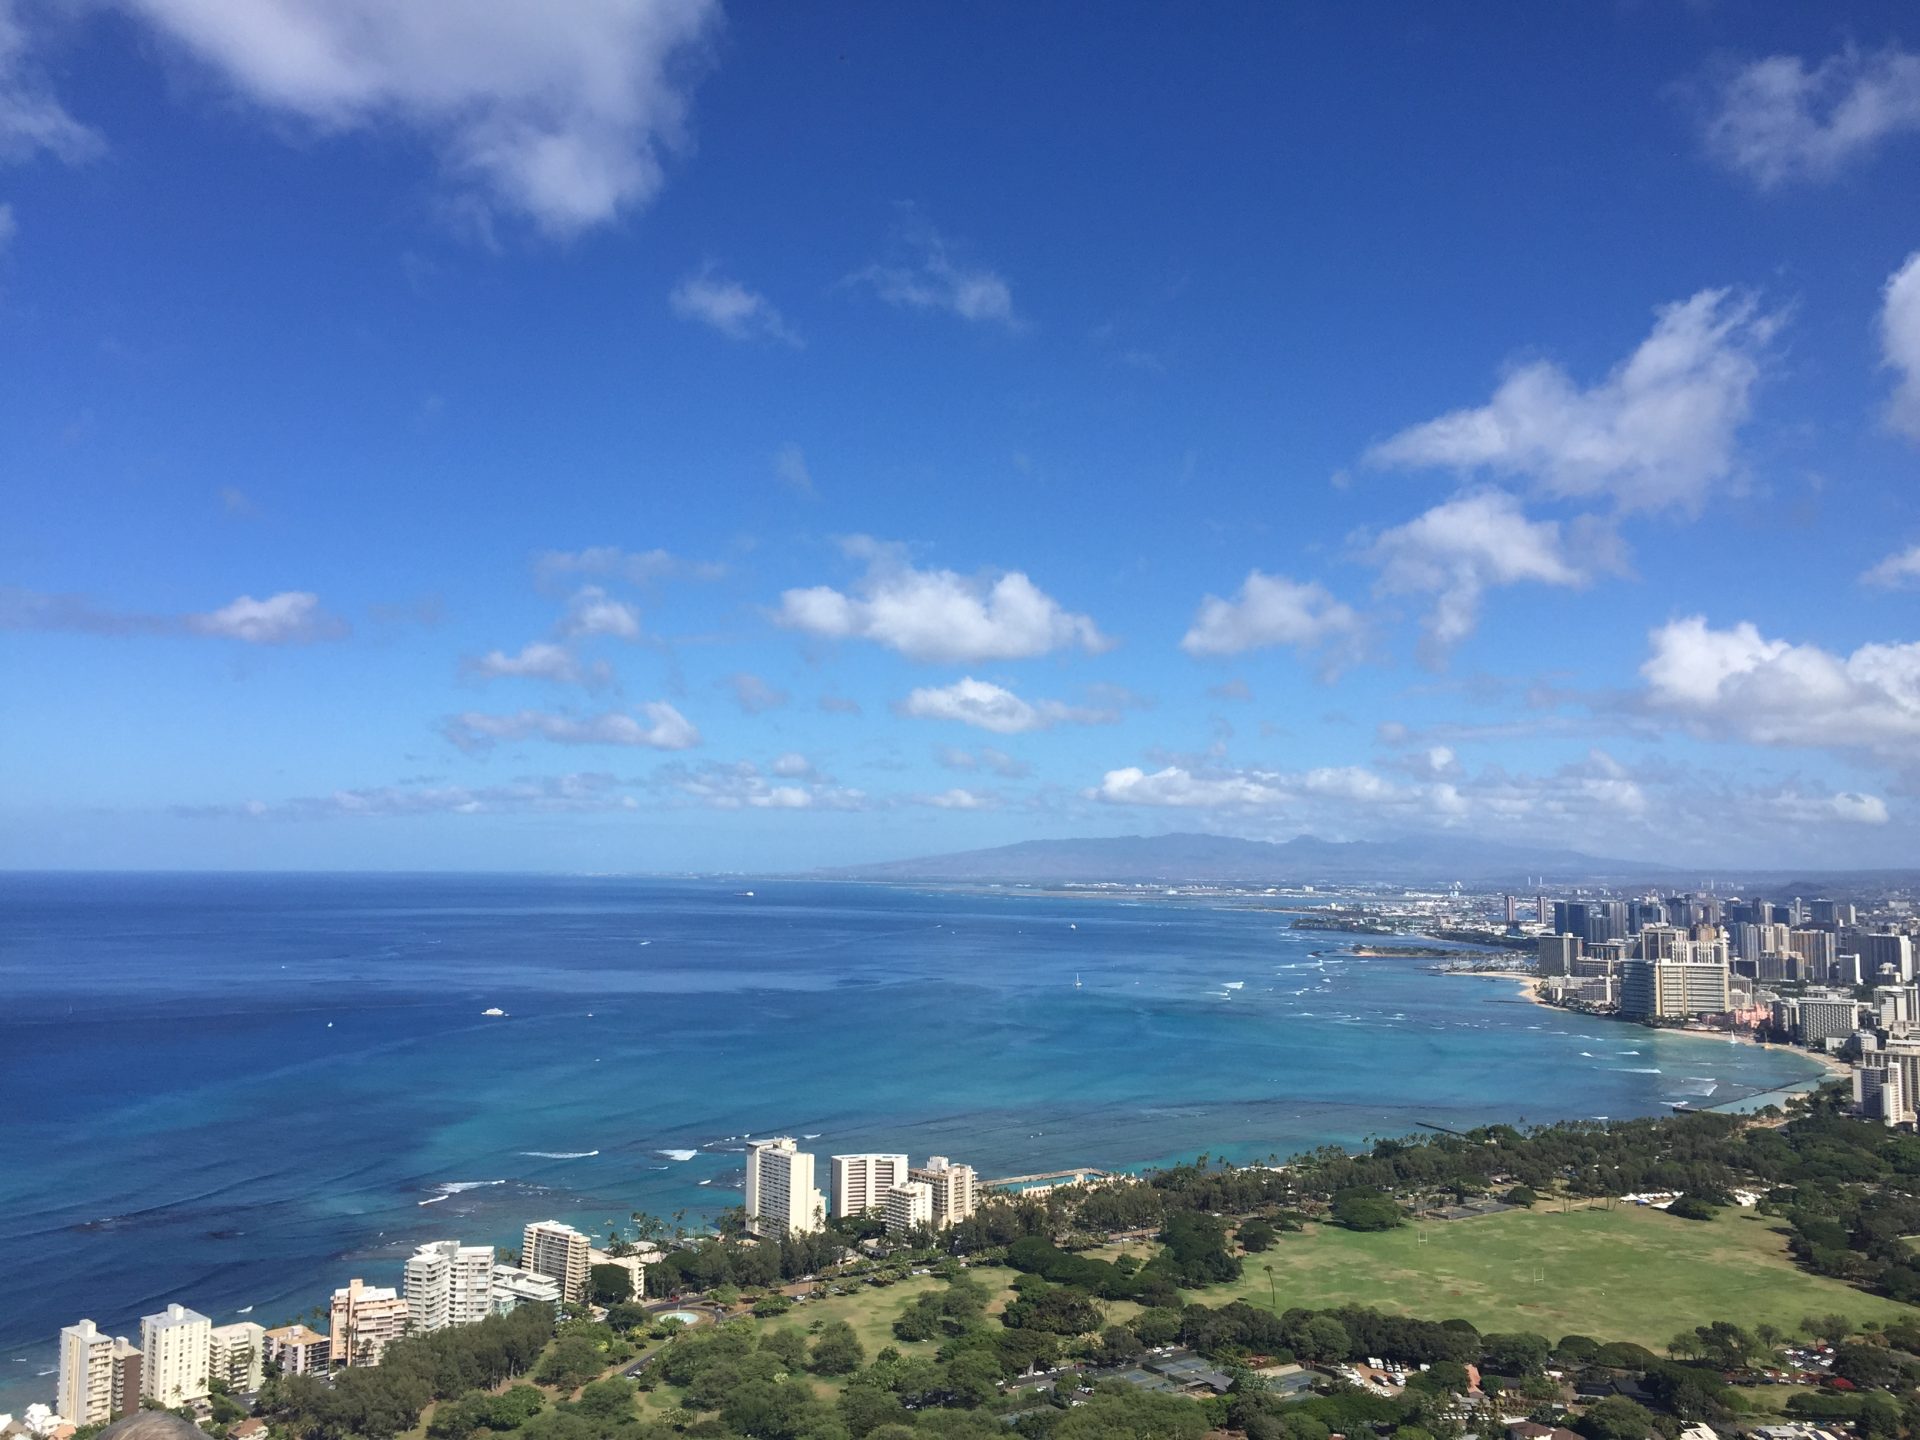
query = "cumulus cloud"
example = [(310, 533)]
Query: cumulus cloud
[(754, 695), (993, 707), (790, 467), (1900, 344), (573, 794), (540, 660), (924, 276), (1270, 610), (292, 617), (739, 313), (32, 122), (1778, 119), (1658, 431), (1898, 571), (793, 766), (938, 615), (1462, 548), (560, 112), (741, 786), (1738, 684), (656, 725), (594, 612)]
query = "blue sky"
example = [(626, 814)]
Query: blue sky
[(636, 434)]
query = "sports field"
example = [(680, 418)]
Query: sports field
[(1621, 1274)]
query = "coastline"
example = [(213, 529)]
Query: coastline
[(1834, 1067)]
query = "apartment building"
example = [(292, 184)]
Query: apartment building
[(237, 1356), (514, 1286), (909, 1207), (365, 1320), (861, 1182), (174, 1346), (953, 1189), (448, 1283), (559, 1252), (297, 1349), (99, 1375), (781, 1198)]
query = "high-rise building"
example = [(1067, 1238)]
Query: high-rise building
[(1656, 942), (1879, 951), (560, 1253), (237, 1356), (1823, 1016), (861, 1182), (88, 1394), (448, 1283), (366, 1319), (175, 1362), (1880, 1093), (1677, 987), (909, 1207), (297, 1349), (1556, 954), (953, 1188), (1513, 912), (1540, 911), (514, 1286), (781, 1198)]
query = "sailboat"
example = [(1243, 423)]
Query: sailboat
[(1076, 979)]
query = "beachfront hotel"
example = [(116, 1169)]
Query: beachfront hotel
[(861, 1182), (559, 1252), (99, 1375), (953, 1188), (1689, 984), (781, 1198), (365, 1320), (175, 1345), (448, 1283), (909, 1208)]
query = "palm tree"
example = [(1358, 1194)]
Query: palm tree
[(1273, 1293)]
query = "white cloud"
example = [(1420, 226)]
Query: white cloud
[(741, 786), (559, 112), (937, 614), (927, 277), (659, 727), (1270, 610), (1738, 684), (594, 612), (293, 617), (31, 120), (793, 766), (1900, 344), (993, 707), (1858, 808), (726, 305), (560, 794), (790, 466), (959, 799), (540, 660), (754, 695), (1463, 547), (1898, 571), (1776, 120), (1177, 787), (1658, 431)]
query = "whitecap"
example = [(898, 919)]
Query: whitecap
[(434, 1199), (677, 1154), (1640, 1070), (456, 1187), (814, 1136), (561, 1154), (1236, 984), (1588, 1055)]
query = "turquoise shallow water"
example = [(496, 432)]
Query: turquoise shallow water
[(243, 1090)]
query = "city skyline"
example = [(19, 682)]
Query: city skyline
[(701, 438)]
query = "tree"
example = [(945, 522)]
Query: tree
[(1691, 1207), (610, 1284), (837, 1350), (1366, 1208), (1256, 1235), (1615, 1418), (573, 1360)]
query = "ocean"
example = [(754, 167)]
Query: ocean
[(239, 1091)]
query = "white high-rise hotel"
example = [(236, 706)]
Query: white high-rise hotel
[(781, 1198), (861, 1182), (449, 1284), (560, 1253)]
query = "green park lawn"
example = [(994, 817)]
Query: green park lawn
[(1622, 1274)]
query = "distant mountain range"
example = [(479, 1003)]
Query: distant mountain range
[(1423, 859)]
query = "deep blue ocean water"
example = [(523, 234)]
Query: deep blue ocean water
[(244, 1090)]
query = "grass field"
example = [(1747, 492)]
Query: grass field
[(1622, 1274)]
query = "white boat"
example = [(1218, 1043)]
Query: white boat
[(493, 1010), (1076, 979)]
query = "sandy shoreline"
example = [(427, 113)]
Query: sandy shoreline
[(1835, 1067)]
